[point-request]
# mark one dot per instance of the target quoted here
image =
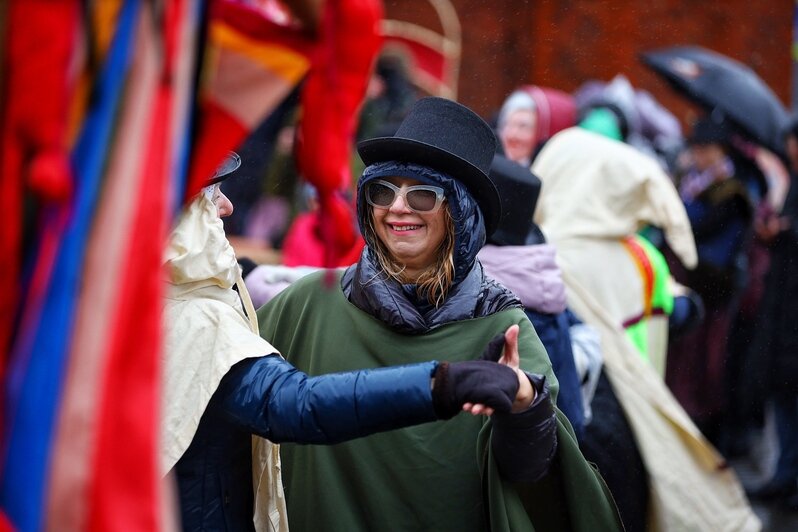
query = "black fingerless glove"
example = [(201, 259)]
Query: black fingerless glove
[(473, 381)]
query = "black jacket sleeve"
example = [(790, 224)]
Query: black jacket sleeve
[(524, 444), (272, 399)]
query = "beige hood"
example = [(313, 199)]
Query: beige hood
[(595, 187), (206, 332)]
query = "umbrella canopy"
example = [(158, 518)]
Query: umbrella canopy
[(719, 82)]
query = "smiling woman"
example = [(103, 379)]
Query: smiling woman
[(425, 205), (228, 395)]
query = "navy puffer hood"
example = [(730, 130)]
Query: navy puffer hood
[(469, 224)]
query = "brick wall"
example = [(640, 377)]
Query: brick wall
[(564, 43)]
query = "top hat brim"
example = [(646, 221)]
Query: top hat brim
[(230, 164), (409, 150)]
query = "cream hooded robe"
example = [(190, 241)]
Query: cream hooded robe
[(207, 332), (595, 192)]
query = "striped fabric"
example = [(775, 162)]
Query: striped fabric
[(112, 95), (80, 432)]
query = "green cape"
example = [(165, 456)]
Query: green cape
[(428, 477)]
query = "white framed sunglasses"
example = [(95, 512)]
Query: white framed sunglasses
[(418, 198)]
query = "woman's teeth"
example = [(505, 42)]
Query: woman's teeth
[(405, 227)]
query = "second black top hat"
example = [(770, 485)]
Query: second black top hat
[(519, 190)]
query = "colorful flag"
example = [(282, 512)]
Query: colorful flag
[(81, 384), (107, 109)]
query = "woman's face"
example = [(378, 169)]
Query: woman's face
[(412, 238), (518, 135)]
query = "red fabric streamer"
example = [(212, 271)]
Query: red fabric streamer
[(346, 51), (219, 131), (303, 244), (5, 524), (33, 155)]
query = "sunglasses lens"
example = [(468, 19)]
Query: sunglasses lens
[(380, 195), (383, 195), (422, 200)]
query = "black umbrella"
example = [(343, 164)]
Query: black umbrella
[(719, 82)]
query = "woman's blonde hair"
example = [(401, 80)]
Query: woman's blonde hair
[(435, 281)]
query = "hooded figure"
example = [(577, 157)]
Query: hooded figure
[(596, 193), (228, 395), (774, 360), (425, 205), (518, 257), (592, 208)]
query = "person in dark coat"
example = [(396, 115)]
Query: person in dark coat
[(721, 213), (224, 385), (518, 257), (776, 341)]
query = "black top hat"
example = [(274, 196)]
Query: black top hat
[(519, 190), (447, 137), (227, 167)]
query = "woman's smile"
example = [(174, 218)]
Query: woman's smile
[(404, 227)]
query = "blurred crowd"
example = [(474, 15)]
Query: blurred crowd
[(377, 308), (683, 241)]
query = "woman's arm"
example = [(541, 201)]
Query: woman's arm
[(273, 399), (525, 443)]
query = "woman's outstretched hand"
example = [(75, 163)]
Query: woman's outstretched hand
[(509, 357)]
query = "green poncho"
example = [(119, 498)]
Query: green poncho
[(436, 476)]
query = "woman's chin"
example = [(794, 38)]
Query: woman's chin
[(411, 259)]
